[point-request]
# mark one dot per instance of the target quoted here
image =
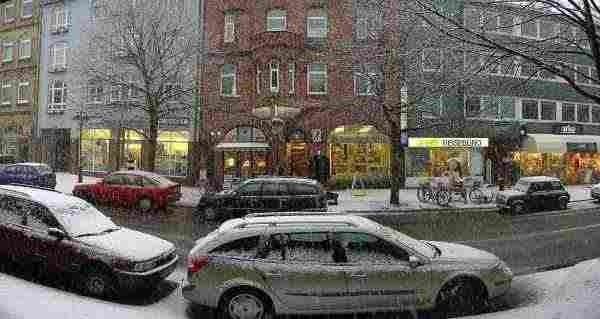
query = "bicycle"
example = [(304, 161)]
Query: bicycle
[(478, 196), (425, 193)]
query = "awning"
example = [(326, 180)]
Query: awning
[(246, 146), (553, 143)]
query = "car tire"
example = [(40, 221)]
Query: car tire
[(461, 296), (518, 208), (563, 203), (97, 282), (476, 196), (245, 303), (209, 214), (145, 205)]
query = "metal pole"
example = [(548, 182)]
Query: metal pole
[(80, 176)]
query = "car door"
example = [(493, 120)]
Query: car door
[(112, 187), (270, 196), (298, 268), (4, 175), (537, 196), (11, 174), (248, 199), (380, 276), (27, 175), (302, 196), (12, 231)]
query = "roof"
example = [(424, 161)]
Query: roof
[(303, 219), (285, 178), (48, 198), (539, 179)]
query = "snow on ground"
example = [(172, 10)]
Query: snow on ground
[(568, 293)]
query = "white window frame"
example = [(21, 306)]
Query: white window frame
[(423, 56), (6, 97), (116, 93), (317, 33), (370, 87), (229, 28), (292, 78), (20, 99), (11, 18), (62, 48), (94, 96), (283, 18), (234, 76), (23, 3), (539, 110), (7, 46), (559, 109), (362, 28), (274, 74), (309, 73), (258, 76), (23, 42), (520, 23)]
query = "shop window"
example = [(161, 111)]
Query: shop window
[(172, 153), (359, 150), (548, 111), (530, 110), (95, 150), (583, 113), (568, 112), (596, 114), (276, 20)]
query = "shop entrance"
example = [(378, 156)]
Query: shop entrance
[(245, 153), (359, 151)]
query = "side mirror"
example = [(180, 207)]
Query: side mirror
[(55, 232), (414, 262)]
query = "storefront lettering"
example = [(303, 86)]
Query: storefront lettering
[(447, 142), (568, 129)]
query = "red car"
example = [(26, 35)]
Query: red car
[(132, 189)]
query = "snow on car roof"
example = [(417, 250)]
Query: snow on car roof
[(538, 179), (46, 197), (302, 221), (31, 164)]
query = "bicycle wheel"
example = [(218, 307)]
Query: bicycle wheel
[(476, 195), (443, 198), (421, 194)]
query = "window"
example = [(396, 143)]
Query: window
[(9, 12), (428, 106), (6, 93), (228, 80), (365, 82), (58, 56), (39, 218), (432, 60), (583, 113), (568, 112), (596, 113), (308, 247), (58, 93), (117, 93), (291, 77), (274, 66), (115, 180), (250, 189), (364, 248), (317, 79), (95, 93), (243, 247), (276, 20), (529, 27), (273, 189), (7, 55), (24, 49), (10, 212), (229, 28), (362, 28), (27, 8), (548, 111), (24, 93), (258, 74), (302, 189), (530, 110), (316, 24), (59, 19)]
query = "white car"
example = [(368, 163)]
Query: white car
[(312, 263)]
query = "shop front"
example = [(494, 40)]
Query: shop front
[(429, 157), (95, 151), (572, 158)]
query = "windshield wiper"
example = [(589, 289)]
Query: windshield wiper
[(438, 252), (110, 230), (87, 234)]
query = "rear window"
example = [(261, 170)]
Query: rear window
[(303, 189)]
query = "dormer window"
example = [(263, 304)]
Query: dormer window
[(277, 20)]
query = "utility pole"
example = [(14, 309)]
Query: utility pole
[(82, 117)]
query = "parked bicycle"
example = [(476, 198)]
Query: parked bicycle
[(482, 194)]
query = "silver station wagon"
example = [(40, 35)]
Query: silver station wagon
[(314, 263)]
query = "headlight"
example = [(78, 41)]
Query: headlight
[(139, 267), (503, 268)]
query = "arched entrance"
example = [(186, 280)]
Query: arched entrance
[(359, 150), (245, 153)]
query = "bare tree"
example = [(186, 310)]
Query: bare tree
[(142, 53)]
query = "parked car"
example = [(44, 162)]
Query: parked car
[(62, 234), (143, 190), (315, 263), (595, 192), (37, 174), (264, 194), (7, 159), (534, 194)]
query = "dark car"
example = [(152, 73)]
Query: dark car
[(534, 194), (264, 194), (36, 174), (61, 234), (143, 190)]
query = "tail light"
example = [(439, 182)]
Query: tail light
[(195, 263)]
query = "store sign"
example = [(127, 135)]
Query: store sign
[(446, 142), (567, 129)]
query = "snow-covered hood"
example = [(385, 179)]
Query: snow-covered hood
[(130, 244), (456, 252)]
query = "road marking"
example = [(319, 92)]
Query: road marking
[(532, 235)]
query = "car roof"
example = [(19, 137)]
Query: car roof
[(49, 198), (539, 179), (30, 164), (308, 220), (285, 178), (137, 173)]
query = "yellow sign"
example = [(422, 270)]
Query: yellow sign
[(441, 142)]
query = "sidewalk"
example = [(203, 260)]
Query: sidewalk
[(374, 200)]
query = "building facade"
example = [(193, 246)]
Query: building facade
[(19, 31)]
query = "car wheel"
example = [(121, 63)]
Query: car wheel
[(562, 203), (245, 304), (443, 198), (476, 196), (209, 214), (463, 296), (518, 208), (97, 282), (145, 204)]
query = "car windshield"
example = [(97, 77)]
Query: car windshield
[(420, 246), (43, 169), (522, 186), (80, 218)]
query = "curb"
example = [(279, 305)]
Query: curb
[(415, 211)]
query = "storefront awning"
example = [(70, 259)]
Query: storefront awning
[(247, 146), (553, 143)]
